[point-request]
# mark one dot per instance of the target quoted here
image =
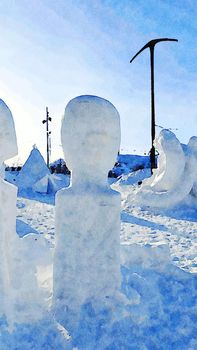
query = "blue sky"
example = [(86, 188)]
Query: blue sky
[(52, 51)]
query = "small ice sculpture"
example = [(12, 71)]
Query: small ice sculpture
[(171, 161), (87, 258), (176, 175)]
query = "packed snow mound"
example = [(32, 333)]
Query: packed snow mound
[(176, 175), (32, 171)]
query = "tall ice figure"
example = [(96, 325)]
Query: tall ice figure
[(87, 223), (8, 196)]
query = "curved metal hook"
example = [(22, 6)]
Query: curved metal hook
[(151, 44)]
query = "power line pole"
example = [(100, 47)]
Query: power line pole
[(48, 134)]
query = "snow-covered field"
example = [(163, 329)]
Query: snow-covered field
[(176, 228)]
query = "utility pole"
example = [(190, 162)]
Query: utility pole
[(48, 134), (151, 45)]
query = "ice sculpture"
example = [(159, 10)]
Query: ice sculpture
[(170, 154), (20, 298), (176, 175), (86, 258), (8, 194)]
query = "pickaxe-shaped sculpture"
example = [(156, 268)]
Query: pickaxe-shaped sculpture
[(151, 44)]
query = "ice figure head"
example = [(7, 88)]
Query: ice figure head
[(8, 143), (167, 139), (90, 137)]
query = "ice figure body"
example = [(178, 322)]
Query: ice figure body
[(8, 194), (87, 258), (20, 298)]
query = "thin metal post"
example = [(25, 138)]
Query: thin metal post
[(152, 151), (151, 45), (48, 133)]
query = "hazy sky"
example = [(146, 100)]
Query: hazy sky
[(52, 51)]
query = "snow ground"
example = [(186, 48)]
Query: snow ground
[(159, 265), (39, 216), (144, 227), (138, 226)]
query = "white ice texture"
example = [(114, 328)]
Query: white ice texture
[(176, 176), (87, 222)]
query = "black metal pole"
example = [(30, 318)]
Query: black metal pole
[(47, 131), (151, 45), (152, 151)]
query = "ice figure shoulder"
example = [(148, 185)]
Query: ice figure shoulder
[(90, 138)]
